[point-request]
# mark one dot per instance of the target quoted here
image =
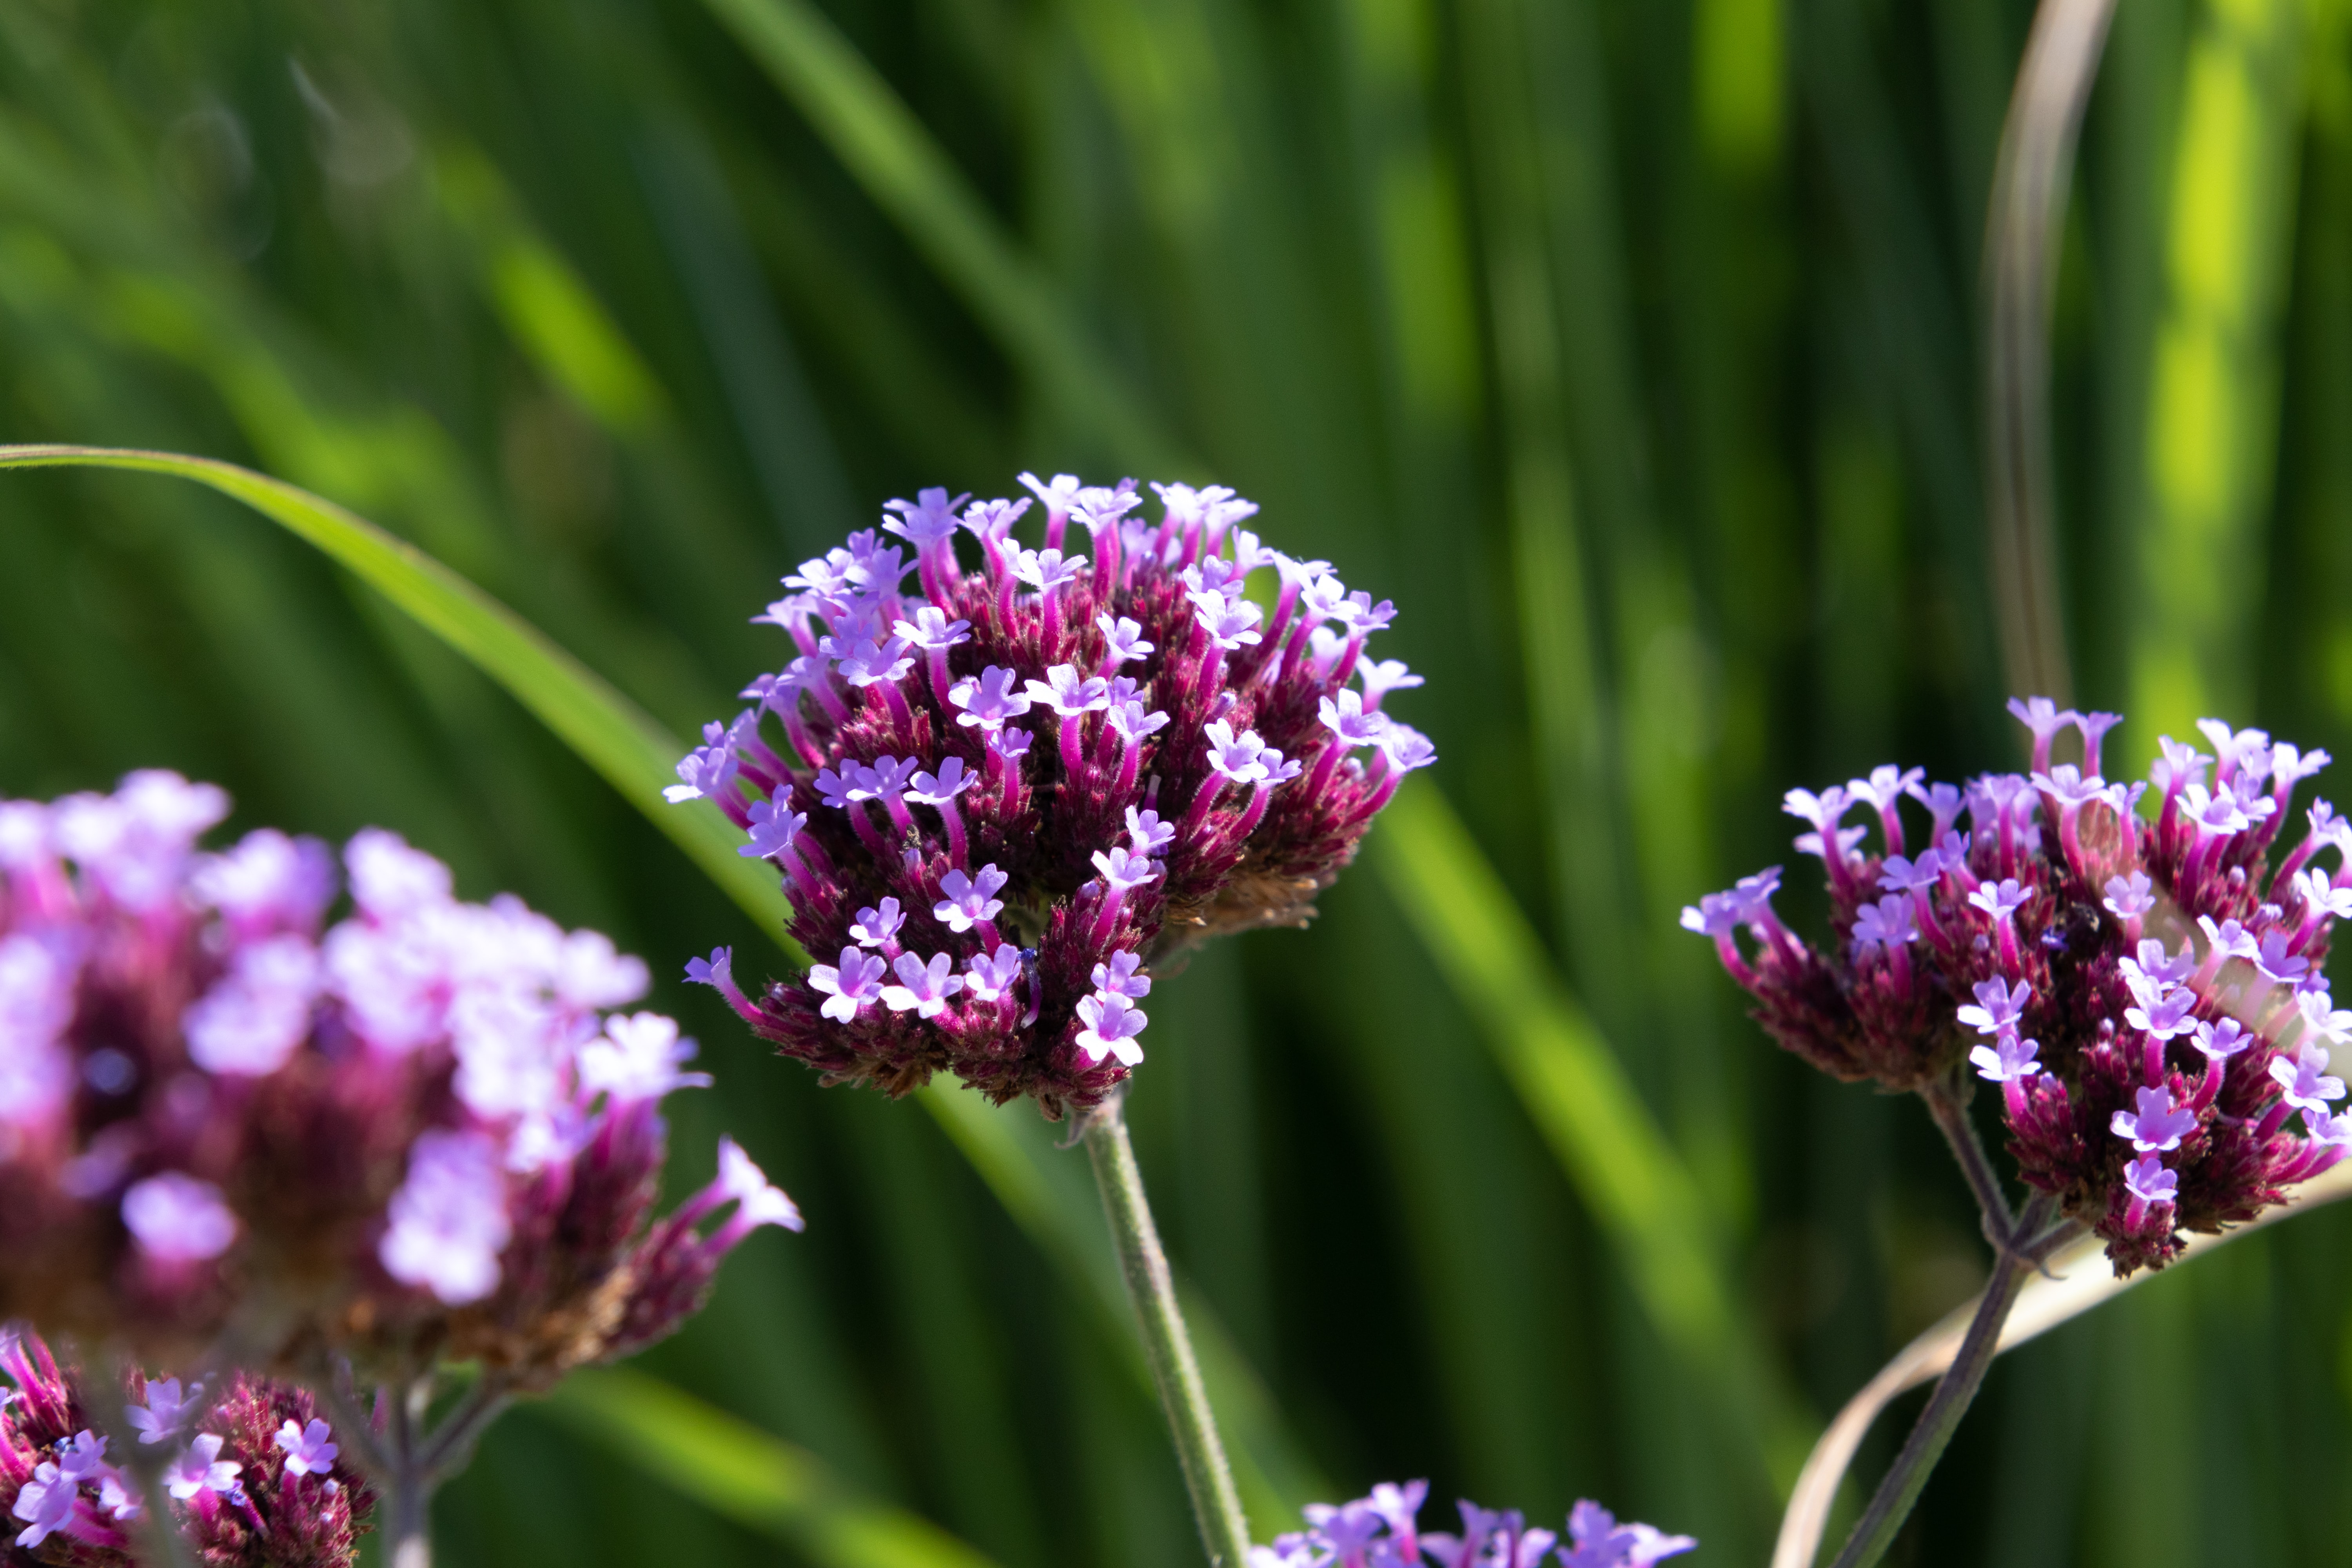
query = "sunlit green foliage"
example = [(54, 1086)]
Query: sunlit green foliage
[(1626, 345)]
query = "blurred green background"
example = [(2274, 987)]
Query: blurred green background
[(1630, 345)]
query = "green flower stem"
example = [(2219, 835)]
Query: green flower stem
[(1875, 1532), (1216, 1506)]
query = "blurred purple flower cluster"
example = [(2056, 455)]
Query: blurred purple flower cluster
[(995, 800), (2149, 996), (223, 1123), (1379, 1531)]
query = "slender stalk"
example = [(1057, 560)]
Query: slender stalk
[(1875, 1532), (447, 1450), (1948, 1102), (1216, 1506), (409, 1531)]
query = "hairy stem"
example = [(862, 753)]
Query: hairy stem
[(1948, 1102), (1216, 1506), (1875, 1532)]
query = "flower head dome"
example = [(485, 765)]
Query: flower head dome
[(223, 1125), (997, 795), (2149, 996)]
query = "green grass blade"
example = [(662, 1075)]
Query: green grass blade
[(1049, 1196), (633, 754), (911, 177), (1598, 1127), (743, 1474)]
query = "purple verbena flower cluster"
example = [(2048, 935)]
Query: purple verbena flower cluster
[(997, 798), (253, 1478), (2150, 997), (419, 1127), (1379, 1531)]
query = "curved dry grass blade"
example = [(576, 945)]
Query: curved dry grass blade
[(2029, 211), (2078, 1280), (608, 732)]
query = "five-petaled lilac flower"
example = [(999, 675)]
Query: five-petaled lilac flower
[(2129, 897), (1718, 915), (1629, 1544), (1346, 717), (849, 986), (2221, 1041), (1068, 693), (923, 989), (1123, 640), (2304, 1079), (307, 1451), (1823, 810), (1242, 758), (158, 1420), (1998, 1008), (757, 1200), (704, 772), (1123, 976), (2274, 963), (966, 903), (45, 1503), (1122, 869), (875, 926), (931, 630), (2071, 788), (2166, 1016), (2319, 1011), (2000, 901), (2007, 1058), (937, 789), (1047, 570), (2149, 1182), (926, 520), (178, 1219), (989, 699), (199, 1468), (2231, 939), (2158, 1124), (1382, 676), (1406, 748), (869, 662), (1147, 834), (1897, 874), (2217, 816), (1231, 623), (2335, 1131), (1112, 1022), (990, 976), (1133, 723), (82, 1456), (1888, 921), (774, 825)]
